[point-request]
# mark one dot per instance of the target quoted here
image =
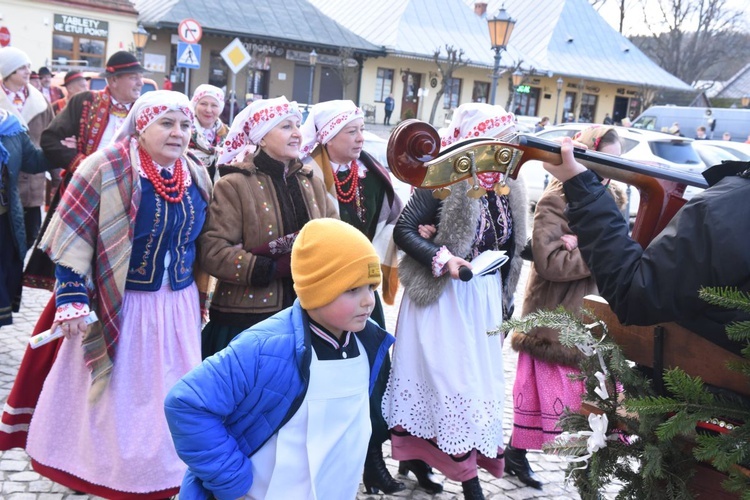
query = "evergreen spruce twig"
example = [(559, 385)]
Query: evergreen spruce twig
[(659, 442)]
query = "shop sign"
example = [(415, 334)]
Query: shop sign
[(324, 59), (81, 26)]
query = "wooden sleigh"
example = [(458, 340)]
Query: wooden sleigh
[(414, 156)]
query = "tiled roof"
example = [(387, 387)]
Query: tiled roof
[(290, 21)]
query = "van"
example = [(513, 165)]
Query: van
[(716, 120)]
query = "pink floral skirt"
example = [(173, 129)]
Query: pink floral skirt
[(541, 393)]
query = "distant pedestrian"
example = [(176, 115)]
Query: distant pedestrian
[(726, 137), (607, 119), (541, 124), (518, 110), (700, 133), (167, 84), (390, 103)]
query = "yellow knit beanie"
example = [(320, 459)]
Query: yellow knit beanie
[(330, 257)]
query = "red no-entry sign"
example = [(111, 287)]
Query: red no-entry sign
[(190, 31), (4, 36)]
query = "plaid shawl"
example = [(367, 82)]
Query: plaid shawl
[(92, 234)]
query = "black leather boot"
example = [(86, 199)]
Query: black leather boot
[(423, 472), (517, 465), (376, 477), (472, 489)]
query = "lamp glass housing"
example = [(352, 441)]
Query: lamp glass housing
[(517, 77), (140, 37), (313, 57), (501, 27), (559, 84)]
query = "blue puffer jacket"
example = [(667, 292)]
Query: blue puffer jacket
[(224, 410), (24, 157)]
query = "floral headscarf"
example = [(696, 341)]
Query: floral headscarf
[(592, 135), (205, 90), (326, 119), (253, 123), (476, 119), (150, 107)]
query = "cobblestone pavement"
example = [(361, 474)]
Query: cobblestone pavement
[(20, 482)]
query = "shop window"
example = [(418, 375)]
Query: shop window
[(217, 70), (257, 83), (480, 92), (79, 50), (569, 106), (452, 93), (383, 84), (588, 108), (527, 99)]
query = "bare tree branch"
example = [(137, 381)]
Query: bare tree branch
[(454, 60)]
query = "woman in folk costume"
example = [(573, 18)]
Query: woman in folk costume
[(332, 142), (17, 154), (260, 203), (123, 239), (559, 276), (209, 131), (445, 397)]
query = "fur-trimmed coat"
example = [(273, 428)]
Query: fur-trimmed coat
[(456, 220), (558, 277)]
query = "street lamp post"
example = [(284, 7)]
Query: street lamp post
[(501, 26), (140, 39), (557, 104), (313, 60)]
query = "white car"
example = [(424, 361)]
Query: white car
[(638, 145), (738, 149), (713, 155)]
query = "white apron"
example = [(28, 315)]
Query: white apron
[(320, 452)]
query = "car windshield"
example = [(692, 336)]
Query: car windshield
[(675, 151)]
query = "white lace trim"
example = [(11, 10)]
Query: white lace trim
[(458, 424)]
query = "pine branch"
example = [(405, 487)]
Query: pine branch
[(727, 297)]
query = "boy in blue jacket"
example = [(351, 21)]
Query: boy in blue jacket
[(283, 411)]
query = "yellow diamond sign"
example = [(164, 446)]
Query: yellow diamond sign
[(235, 55)]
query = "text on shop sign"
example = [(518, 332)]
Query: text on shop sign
[(81, 26)]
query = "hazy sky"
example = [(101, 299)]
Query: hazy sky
[(634, 16)]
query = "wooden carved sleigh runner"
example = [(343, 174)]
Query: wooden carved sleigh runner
[(414, 157)]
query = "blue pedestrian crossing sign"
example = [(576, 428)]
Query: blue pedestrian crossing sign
[(188, 55)]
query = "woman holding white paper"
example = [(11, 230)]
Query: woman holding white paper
[(446, 392)]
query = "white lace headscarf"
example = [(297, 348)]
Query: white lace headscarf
[(149, 108), (326, 119), (476, 119), (253, 123)]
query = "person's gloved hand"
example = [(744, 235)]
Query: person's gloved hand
[(283, 266), (280, 246)]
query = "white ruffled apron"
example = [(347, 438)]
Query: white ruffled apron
[(332, 425)]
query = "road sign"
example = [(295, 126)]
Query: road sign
[(190, 31), (188, 55), (235, 55), (4, 36)]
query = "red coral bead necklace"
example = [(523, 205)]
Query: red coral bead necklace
[(166, 188), (346, 196)]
